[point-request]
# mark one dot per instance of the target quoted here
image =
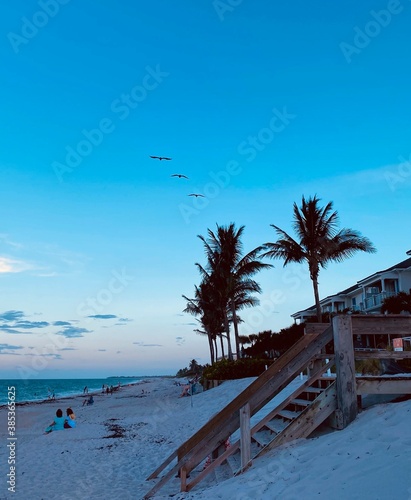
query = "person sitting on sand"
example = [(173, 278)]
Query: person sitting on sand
[(58, 422), (70, 421), (88, 401), (185, 392)]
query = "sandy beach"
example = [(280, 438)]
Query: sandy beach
[(123, 437)]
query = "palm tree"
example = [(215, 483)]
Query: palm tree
[(318, 241), (204, 306), (214, 303), (193, 366), (231, 272)]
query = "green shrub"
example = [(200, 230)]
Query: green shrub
[(368, 367), (230, 370)]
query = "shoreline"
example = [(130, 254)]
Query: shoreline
[(71, 396)]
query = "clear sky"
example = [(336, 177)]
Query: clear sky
[(257, 102)]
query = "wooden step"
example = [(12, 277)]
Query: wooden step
[(234, 461), (301, 402), (318, 390), (275, 425), (255, 448), (289, 415), (263, 437), (256, 440), (272, 428)]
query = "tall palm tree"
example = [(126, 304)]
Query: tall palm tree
[(231, 272), (318, 243)]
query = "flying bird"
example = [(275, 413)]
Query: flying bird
[(160, 157), (196, 195), (179, 176)]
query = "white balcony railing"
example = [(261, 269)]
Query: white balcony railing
[(376, 300)]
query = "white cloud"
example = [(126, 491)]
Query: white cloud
[(8, 265)]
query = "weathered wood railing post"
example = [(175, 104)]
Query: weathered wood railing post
[(347, 408), (245, 436)]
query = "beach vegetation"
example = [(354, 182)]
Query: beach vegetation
[(396, 304), (368, 367), (318, 241), (271, 345), (227, 369), (265, 347), (193, 369)]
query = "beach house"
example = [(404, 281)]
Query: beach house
[(367, 295)]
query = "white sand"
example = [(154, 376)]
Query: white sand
[(371, 459)]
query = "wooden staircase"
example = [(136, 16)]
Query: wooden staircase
[(252, 428), (296, 417)]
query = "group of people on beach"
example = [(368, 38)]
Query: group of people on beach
[(60, 422), (110, 389)]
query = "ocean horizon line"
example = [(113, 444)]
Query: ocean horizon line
[(86, 378), (51, 389)]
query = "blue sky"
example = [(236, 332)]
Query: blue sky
[(258, 103)]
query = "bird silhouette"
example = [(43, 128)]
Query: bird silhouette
[(196, 195), (179, 176), (160, 157)]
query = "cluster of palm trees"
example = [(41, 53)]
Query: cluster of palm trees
[(227, 285)]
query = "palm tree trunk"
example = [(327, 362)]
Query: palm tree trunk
[(227, 329), (222, 347), (317, 300), (235, 323), (211, 346)]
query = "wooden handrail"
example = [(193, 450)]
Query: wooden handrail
[(382, 354), (371, 324)]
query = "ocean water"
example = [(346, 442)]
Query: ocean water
[(42, 389)]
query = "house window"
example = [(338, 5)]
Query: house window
[(391, 286)]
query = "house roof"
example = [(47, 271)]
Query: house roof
[(405, 264), (343, 292)]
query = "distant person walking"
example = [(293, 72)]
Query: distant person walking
[(85, 390)]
